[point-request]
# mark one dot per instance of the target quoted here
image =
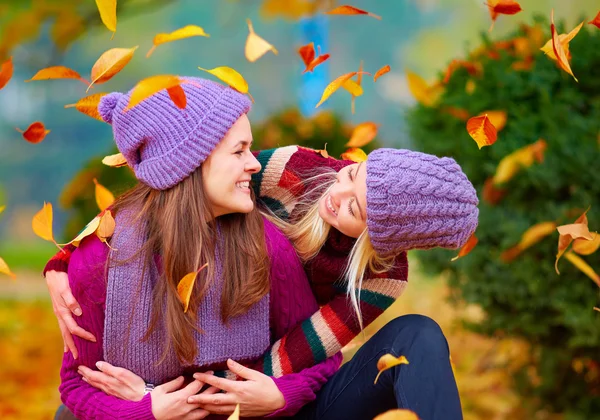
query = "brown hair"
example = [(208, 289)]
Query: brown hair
[(180, 228)]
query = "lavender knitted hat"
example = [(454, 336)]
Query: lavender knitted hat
[(417, 201), (164, 144)]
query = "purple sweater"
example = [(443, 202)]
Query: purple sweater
[(291, 302)]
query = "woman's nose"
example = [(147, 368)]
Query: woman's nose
[(253, 165)]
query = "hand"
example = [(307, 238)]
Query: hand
[(63, 304), (115, 381), (257, 395), (170, 402)]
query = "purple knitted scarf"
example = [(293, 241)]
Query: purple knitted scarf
[(128, 314)]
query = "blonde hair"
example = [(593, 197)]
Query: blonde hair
[(309, 233)]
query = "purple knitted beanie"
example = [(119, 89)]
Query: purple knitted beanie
[(164, 144), (417, 201)]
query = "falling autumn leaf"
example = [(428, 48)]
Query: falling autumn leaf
[(5, 270), (467, 247), (108, 13), (497, 118), (584, 267), (177, 95), (559, 50), (565, 240), (385, 69), (530, 237), (521, 158), (104, 198), (491, 193), (150, 86), (354, 88), (256, 46), (57, 72), (350, 10), (181, 33), (229, 76), (186, 286), (354, 154), (595, 21), (307, 53), (423, 93), (502, 7), (106, 228), (397, 414), (319, 60), (362, 134), (388, 361), (596, 309), (6, 72), (358, 82), (460, 113), (110, 63), (89, 105), (474, 69), (236, 413), (583, 246), (564, 40), (35, 133), (335, 85), (115, 161), (482, 131), (88, 230), (42, 223), (2, 209)]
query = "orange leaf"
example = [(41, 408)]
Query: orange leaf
[(104, 198), (106, 227), (110, 63), (150, 86), (335, 85), (57, 72), (186, 286), (473, 68), (115, 161), (108, 13), (467, 248), (491, 194), (35, 133), (388, 361), (42, 223), (256, 46), (596, 309), (482, 131), (521, 158), (229, 76), (559, 50), (584, 267), (583, 246), (497, 118), (323, 152), (319, 60), (307, 53), (5, 270), (595, 21), (502, 7), (362, 134), (89, 105), (565, 240), (564, 40), (460, 113), (177, 95), (6, 72), (397, 414), (89, 229), (354, 154), (530, 237), (424, 94), (236, 413), (385, 69), (181, 33), (350, 10)]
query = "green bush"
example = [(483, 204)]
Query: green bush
[(526, 298)]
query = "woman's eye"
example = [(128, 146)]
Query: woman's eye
[(350, 208), (350, 174), (239, 152)]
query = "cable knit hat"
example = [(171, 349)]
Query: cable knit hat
[(164, 144), (417, 201)]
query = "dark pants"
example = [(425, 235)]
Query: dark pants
[(426, 385)]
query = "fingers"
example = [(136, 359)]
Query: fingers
[(219, 399), (171, 386), (192, 388), (67, 338), (115, 372), (75, 329), (243, 371), (94, 375), (198, 413), (221, 383), (211, 390), (70, 301), (217, 409)]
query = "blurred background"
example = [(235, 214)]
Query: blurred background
[(525, 341)]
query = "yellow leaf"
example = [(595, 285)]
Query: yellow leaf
[(561, 53), (236, 413), (115, 161), (87, 231), (564, 40), (497, 118), (110, 63), (150, 86), (584, 247), (358, 82), (482, 131), (354, 154), (530, 237), (108, 13), (186, 286), (385, 69), (521, 158), (104, 198), (362, 134), (584, 267), (335, 85), (256, 46), (467, 247), (576, 231), (229, 76), (106, 227), (350, 10), (388, 361), (5, 270), (181, 33), (354, 88), (596, 309), (565, 240), (2, 208), (42, 223), (57, 72), (89, 105), (423, 93), (397, 414)]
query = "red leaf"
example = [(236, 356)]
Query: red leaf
[(596, 21), (35, 133)]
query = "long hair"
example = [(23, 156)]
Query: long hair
[(181, 229), (309, 233)]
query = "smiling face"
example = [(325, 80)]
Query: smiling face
[(345, 205), (226, 173)]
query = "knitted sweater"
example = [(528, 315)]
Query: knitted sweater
[(280, 183), (88, 282)]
